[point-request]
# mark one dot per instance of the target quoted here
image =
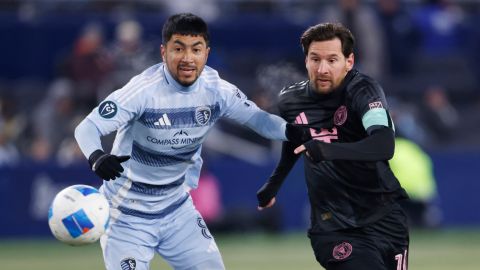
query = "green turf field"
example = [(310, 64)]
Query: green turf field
[(430, 250)]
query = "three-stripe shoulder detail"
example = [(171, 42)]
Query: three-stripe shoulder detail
[(299, 86), (137, 85)]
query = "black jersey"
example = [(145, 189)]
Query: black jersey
[(343, 193)]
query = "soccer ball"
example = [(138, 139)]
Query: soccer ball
[(78, 215)]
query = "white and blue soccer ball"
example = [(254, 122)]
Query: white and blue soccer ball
[(79, 215)]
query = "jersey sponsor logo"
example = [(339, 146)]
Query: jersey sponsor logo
[(184, 140), (202, 115), (324, 135), (180, 140), (342, 251), (375, 104), (128, 264), (107, 109), (163, 121), (340, 115), (174, 141)]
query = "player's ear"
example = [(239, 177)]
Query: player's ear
[(207, 54), (162, 52), (350, 61)]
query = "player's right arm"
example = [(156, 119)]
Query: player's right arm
[(115, 111), (267, 193)]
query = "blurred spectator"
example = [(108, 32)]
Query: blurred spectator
[(443, 44), (130, 56), (207, 9), (439, 116), (405, 116), (40, 149), (401, 38), (441, 25), (365, 26), (89, 65), (53, 120), (12, 124), (68, 152), (413, 168)]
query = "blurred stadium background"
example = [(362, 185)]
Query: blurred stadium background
[(59, 58)]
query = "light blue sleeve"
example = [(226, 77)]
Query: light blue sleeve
[(246, 112), (121, 106), (88, 137), (116, 110), (268, 125)]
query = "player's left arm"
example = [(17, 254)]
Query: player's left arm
[(270, 126), (379, 145)]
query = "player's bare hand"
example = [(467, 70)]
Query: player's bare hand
[(300, 149), (270, 204)]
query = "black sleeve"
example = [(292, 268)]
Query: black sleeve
[(379, 145), (274, 182)]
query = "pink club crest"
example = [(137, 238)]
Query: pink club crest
[(340, 116), (342, 251)]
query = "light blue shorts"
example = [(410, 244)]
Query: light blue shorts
[(181, 238)]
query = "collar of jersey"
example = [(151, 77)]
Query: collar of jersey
[(177, 85)]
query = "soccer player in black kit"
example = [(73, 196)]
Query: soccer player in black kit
[(356, 222)]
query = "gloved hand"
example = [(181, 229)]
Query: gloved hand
[(105, 165), (297, 134), (314, 150), (266, 193)]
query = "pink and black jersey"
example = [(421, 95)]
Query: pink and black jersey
[(343, 193)]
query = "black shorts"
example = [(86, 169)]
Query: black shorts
[(382, 245)]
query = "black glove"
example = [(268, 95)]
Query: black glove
[(106, 166), (266, 193), (297, 134), (314, 149)]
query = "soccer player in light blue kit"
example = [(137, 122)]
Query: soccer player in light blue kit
[(162, 116)]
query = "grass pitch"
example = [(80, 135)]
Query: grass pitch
[(429, 250)]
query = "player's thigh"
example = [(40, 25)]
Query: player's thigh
[(337, 252), (127, 245), (189, 244)]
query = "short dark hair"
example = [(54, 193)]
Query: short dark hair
[(328, 31), (185, 24)]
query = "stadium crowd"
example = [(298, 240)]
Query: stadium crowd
[(425, 53)]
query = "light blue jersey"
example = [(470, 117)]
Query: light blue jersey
[(162, 125)]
